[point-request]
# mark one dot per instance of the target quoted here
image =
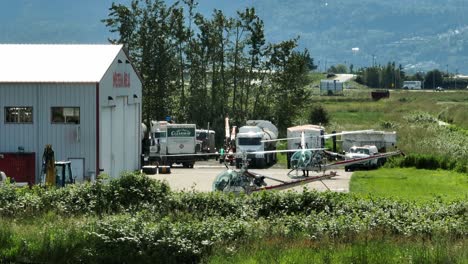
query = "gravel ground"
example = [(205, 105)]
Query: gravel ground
[(201, 177)]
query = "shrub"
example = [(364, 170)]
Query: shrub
[(429, 162), (134, 189), (190, 224), (319, 115), (131, 191)]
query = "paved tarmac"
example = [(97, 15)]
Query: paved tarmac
[(201, 177)]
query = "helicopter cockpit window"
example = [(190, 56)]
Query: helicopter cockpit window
[(250, 141)]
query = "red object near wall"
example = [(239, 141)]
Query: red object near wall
[(19, 166)]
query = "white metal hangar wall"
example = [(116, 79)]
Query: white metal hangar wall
[(84, 100), (120, 118)]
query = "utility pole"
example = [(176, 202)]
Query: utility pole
[(448, 78), (455, 77)]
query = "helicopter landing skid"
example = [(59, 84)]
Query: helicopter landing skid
[(301, 181)]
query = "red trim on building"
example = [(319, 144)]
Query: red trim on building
[(97, 130)]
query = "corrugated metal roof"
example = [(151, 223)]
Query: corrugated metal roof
[(62, 63)]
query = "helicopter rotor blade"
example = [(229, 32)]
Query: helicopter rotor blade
[(253, 174), (347, 133), (324, 136), (282, 151), (184, 155)]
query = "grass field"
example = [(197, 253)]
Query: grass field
[(373, 250), (410, 184), (413, 115)]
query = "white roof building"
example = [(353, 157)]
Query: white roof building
[(40, 63), (85, 100)]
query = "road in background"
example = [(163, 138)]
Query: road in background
[(201, 178), (344, 77)]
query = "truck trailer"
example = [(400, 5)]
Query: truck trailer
[(172, 144), (313, 135), (365, 144), (383, 140), (251, 138)]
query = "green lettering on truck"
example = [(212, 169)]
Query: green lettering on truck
[(180, 132)]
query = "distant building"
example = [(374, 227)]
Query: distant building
[(84, 100), (331, 87), (412, 85)]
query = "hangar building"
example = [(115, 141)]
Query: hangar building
[(84, 100)]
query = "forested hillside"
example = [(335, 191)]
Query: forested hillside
[(423, 34)]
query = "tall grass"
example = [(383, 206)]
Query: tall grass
[(46, 239), (363, 250), (134, 219)]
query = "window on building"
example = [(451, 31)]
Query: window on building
[(65, 115), (18, 114)]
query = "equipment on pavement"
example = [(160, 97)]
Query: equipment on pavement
[(55, 173), (257, 136), (227, 153), (173, 143), (64, 174), (245, 181)]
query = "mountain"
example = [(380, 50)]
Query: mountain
[(419, 34)]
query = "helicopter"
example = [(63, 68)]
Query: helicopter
[(318, 159), (304, 159), (245, 181)]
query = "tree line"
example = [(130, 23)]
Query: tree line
[(391, 77), (200, 69)]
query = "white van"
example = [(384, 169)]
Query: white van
[(412, 85)]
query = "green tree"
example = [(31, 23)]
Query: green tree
[(311, 65), (319, 116), (146, 31), (340, 68), (181, 36), (433, 79), (255, 40), (200, 69), (288, 81), (372, 77)]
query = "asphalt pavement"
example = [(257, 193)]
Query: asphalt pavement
[(201, 177)]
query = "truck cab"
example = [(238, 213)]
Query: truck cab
[(357, 152), (63, 173), (249, 139)]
